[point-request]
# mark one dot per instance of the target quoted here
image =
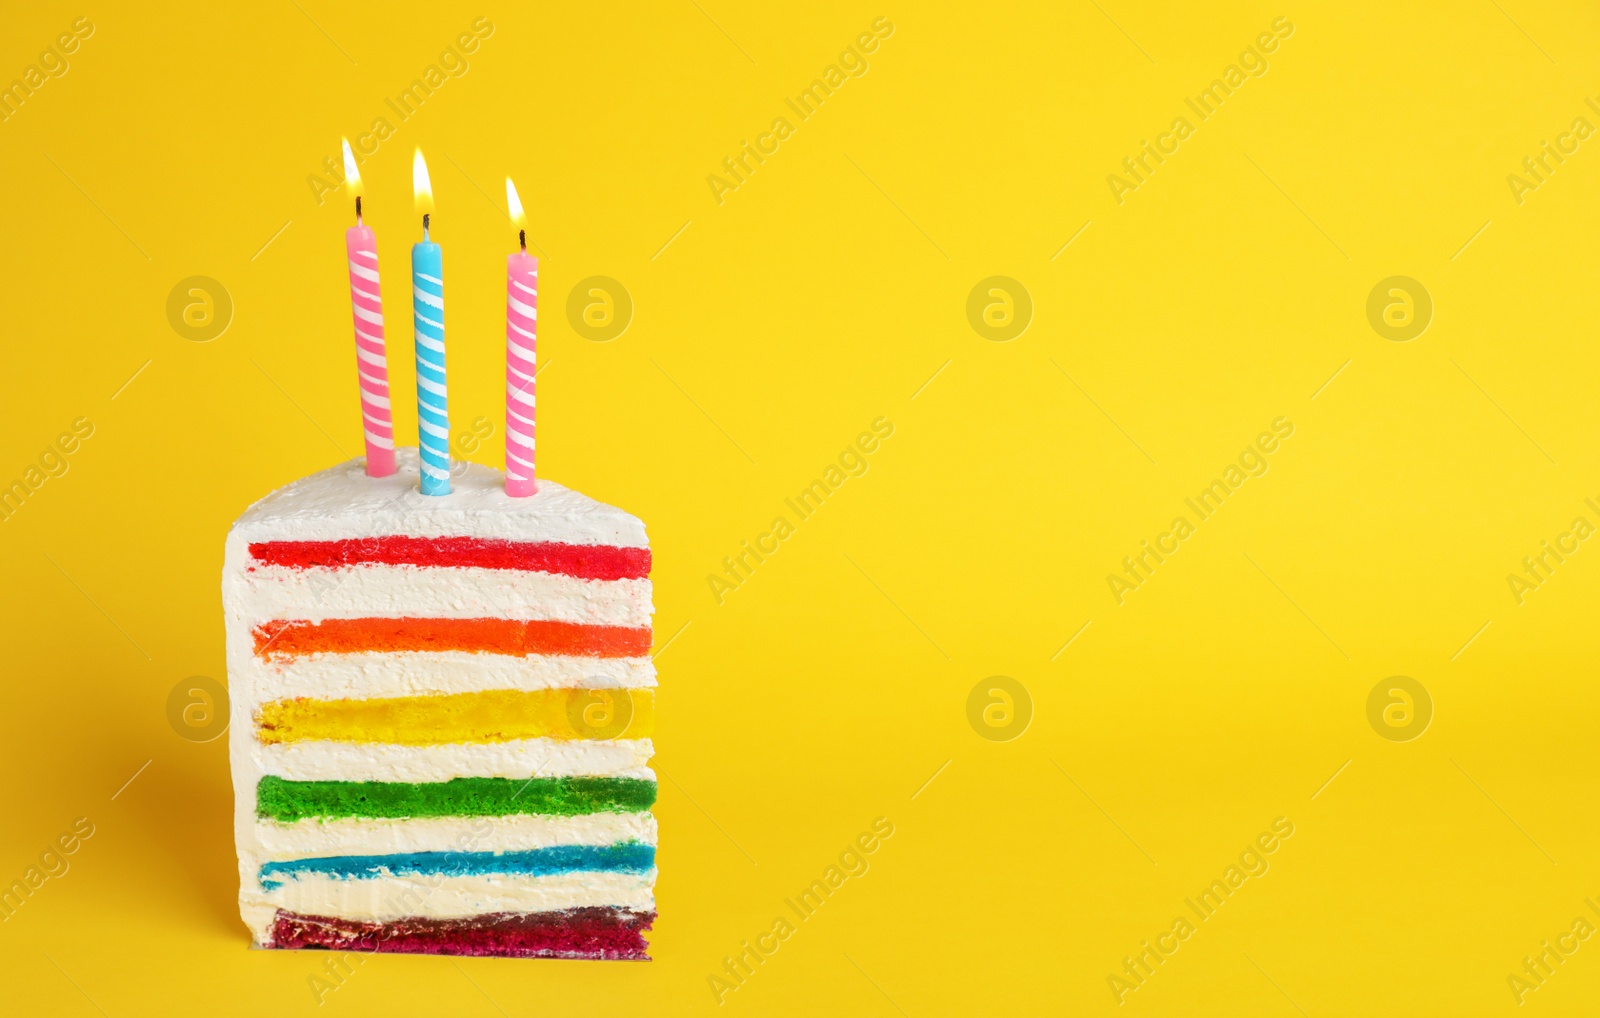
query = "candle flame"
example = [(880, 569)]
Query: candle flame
[(514, 203), (352, 176), (421, 186)]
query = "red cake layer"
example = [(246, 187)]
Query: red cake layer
[(611, 934), (586, 561), (292, 638)]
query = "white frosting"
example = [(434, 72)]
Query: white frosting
[(456, 592), (420, 673), (519, 758), (384, 899), (343, 503), (347, 836)]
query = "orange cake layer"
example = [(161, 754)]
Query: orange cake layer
[(294, 638)]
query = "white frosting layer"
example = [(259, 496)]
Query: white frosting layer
[(420, 673), (342, 502), (306, 838), (519, 758), (383, 899), (383, 591)]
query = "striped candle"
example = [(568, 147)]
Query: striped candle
[(372, 363), (427, 302), (522, 344), (433, 414), (522, 303)]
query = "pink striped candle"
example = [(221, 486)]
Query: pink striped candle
[(522, 336), (522, 327), (372, 365)]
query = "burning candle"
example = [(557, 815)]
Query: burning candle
[(522, 340), (366, 306), (427, 291)]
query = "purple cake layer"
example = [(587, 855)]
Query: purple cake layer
[(612, 934)]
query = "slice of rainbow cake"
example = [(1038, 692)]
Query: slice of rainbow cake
[(441, 709)]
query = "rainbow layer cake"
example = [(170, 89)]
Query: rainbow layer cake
[(441, 709)]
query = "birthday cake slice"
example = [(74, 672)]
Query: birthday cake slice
[(441, 710)]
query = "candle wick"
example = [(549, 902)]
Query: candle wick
[(358, 210), (425, 218), (522, 238)]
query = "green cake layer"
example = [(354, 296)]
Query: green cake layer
[(288, 801)]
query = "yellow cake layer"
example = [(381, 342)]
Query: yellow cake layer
[(496, 715)]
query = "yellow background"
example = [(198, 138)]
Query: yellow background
[(820, 295)]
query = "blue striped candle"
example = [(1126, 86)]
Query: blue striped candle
[(433, 415)]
